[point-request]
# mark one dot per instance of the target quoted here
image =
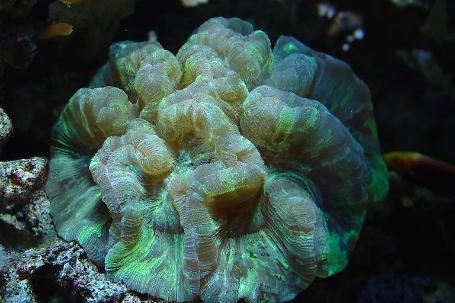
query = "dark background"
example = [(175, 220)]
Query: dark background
[(406, 250)]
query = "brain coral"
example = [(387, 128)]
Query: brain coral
[(227, 171)]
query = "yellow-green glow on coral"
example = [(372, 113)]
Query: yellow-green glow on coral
[(290, 47), (225, 172), (88, 231)]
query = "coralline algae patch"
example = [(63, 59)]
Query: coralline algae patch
[(226, 171)]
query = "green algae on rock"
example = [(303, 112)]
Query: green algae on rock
[(225, 172)]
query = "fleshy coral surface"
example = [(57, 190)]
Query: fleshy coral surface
[(227, 171)]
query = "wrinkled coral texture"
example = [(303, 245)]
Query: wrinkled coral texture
[(227, 171)]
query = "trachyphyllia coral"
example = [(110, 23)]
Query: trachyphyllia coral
[(227, 171)]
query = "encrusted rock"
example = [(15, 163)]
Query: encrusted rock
[(71, 271), (6, 128), (12, 228), (20, 178), (13, 289), (66, 265), (130, 298), (24, 209), (16, 290), (36, 215), (27, 222)]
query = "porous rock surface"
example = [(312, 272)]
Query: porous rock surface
[(75, 278)]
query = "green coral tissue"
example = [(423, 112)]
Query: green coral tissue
[(224, 172)]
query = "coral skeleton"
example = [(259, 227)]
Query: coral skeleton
[(227, 171)]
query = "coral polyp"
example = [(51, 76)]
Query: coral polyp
[(227, 171)]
